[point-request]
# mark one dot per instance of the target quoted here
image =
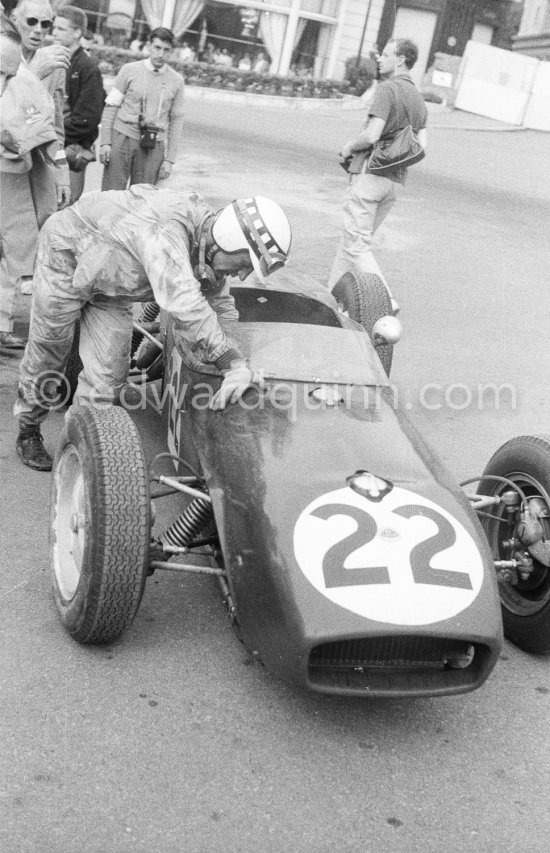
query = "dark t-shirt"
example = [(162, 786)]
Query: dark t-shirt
[(399, 103)]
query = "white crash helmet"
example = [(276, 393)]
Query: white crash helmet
[(259, 225)]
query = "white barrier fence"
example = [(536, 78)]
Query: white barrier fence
[(506, 86)]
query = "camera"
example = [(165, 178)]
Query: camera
[(148, 134)]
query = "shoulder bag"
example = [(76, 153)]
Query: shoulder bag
[(402, 148)]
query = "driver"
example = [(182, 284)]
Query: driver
[(112, 249)]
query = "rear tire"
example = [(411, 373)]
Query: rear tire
[(100, 524), (526, 605), (365, 298)]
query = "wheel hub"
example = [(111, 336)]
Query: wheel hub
[(69, 522)]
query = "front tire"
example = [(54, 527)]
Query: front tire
[(526, 605), (100, 524), (365, 298)]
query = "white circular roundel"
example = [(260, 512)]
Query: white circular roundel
[(403, 560)]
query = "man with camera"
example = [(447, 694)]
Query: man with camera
[(84, 96), (142, 122)]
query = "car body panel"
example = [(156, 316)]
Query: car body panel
[(316, 563)]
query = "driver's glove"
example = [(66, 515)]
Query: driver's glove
[(236, 380)]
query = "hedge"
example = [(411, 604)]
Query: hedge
[(202, 74)]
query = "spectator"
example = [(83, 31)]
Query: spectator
[(396, 103), (49, 63), (209, 52), (33, 186), (84, 96), (186, 54), (112, 249), (261, 65), (142, 122), (225, 58), (245, 63), (136, 46), (10, 47), (87, 42), (302, 70), (99, 40)]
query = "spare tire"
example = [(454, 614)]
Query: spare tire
[(364, 297)]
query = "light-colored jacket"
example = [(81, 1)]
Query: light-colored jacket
[(54, 83), (140, 244), (26, 123)]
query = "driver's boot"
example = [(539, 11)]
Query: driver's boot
[(30, 447)]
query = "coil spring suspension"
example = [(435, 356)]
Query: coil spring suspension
[(150, 313), (189, 524)]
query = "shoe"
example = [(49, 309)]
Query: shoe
[(26, 285), (10, 341), (30, 447)]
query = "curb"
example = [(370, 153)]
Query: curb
[(509, 128), (205, 93)]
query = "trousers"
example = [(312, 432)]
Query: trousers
[(105, 335), (129, 162), (26, 201), (368, 201), (77, 180)]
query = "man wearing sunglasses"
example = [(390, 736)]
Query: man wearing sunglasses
[(35, 184), (109, 250), (34, 20)]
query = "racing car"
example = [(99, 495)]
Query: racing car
[(349, 560)]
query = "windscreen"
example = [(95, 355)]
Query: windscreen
[(309, 353)]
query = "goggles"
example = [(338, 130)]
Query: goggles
[(45, 24), (271, 262), (268, 253)]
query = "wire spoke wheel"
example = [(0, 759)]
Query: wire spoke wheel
[(525, 460)]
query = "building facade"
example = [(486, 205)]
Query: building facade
[(533, 37), (318, 36)]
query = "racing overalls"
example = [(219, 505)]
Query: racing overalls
[(95, 259)]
